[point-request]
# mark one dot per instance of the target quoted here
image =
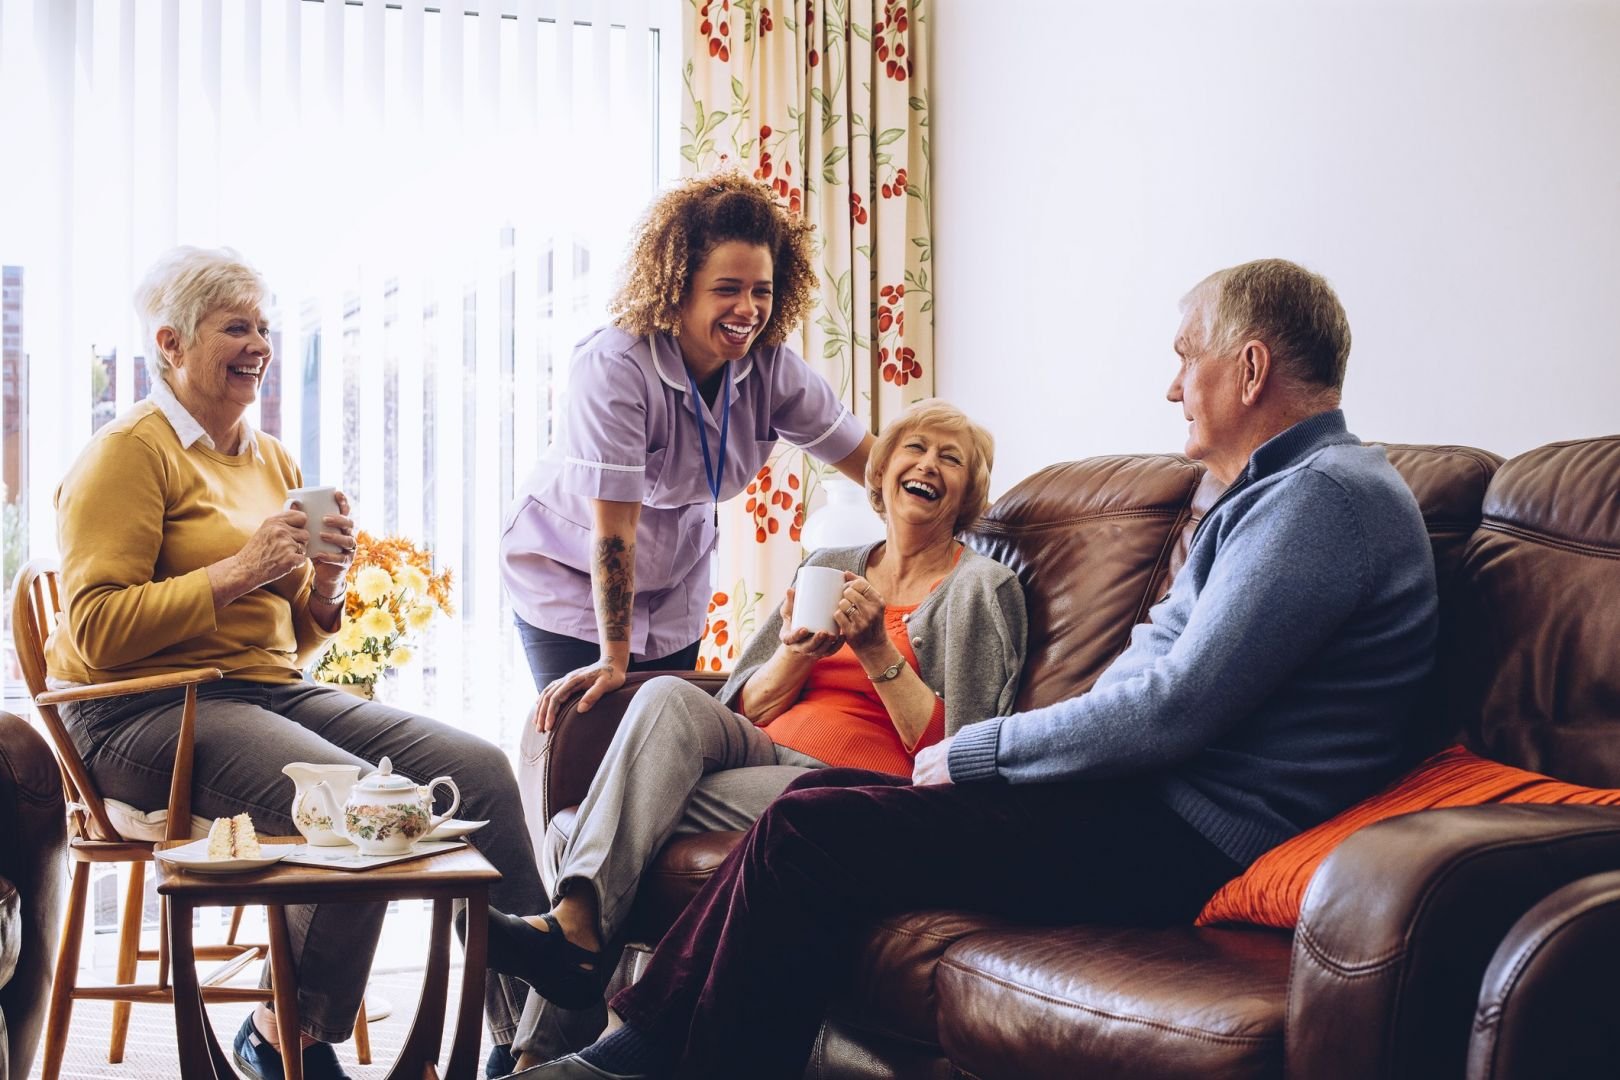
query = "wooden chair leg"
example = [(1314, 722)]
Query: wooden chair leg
[(362, 1036), (163, 943), (129, 947), (236, 922), (60, 1011)]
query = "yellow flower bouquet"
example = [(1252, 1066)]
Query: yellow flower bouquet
[(393, 592)]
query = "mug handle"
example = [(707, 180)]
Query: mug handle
[(455, 801)]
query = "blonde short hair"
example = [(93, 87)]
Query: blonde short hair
[(184, 285), (937, 413)]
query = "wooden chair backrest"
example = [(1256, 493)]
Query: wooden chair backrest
[(36, 608)]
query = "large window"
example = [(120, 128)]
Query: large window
[(439, 198)]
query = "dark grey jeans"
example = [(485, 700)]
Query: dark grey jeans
[(246, 732)]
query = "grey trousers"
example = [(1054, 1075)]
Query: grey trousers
[(245, 733), (679, 763)]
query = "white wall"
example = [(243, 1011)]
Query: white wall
[(1453, 169)]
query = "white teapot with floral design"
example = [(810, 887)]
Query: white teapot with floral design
[(385, 814)]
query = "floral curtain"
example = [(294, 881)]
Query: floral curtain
[(828, 100)]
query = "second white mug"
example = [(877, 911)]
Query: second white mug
[(815, 598), (317, 502)]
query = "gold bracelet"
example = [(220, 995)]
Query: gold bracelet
[(336, 599), (890, 672)]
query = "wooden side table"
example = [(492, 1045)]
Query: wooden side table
[(460, 874)]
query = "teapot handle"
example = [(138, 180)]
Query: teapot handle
[(455, 801)]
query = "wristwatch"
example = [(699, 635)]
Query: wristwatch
[(890, 672)]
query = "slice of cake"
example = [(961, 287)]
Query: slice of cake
[(233, 838)]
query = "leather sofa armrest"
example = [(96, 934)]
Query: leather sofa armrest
[(1401, 920), (1546, 1007), (579, 740), (33, 854)]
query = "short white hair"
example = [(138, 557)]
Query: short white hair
[(185, 284)]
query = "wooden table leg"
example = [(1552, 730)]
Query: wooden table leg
[(469, 1015), (362, 1035), (284, 984), (421, 1050), (200, 1055)]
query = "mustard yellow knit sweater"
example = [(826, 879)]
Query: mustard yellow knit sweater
[(139, 517)]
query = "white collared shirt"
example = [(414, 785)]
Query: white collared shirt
[(186, 427)]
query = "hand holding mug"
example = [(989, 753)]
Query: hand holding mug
[(274, 550), (332, 548), (801, 641), (859, 615)]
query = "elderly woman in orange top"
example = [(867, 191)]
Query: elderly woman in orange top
[(177, 552), (930, 636)]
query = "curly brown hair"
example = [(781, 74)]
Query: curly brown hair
[(687, 222)]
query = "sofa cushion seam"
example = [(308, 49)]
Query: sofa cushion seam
[(1158, 1025)]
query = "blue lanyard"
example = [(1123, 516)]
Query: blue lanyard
[(712, 473)]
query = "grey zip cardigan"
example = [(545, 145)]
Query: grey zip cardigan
[(969, 635)]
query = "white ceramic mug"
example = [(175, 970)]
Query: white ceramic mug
[(317, 502), (816, 596)]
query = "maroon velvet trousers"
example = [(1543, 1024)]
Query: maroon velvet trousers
[(741, 981)]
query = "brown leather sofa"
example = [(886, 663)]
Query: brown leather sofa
[(1383, 976), (33, 862)]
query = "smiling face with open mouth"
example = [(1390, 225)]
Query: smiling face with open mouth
[(220, 371), (925, 479), (727, 306)]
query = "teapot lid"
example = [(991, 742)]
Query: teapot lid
[(385, 779)]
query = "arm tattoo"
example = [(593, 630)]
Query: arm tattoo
[(614, 575)]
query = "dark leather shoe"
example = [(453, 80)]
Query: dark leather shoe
[(573, 1067), (258, 1059), (557, 969)]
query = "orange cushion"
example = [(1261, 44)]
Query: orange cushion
[(1271, 891)]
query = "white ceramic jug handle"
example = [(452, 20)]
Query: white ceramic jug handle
[(304, 796), (455, 800)]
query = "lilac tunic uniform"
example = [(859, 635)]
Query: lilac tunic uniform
[(629, 436)]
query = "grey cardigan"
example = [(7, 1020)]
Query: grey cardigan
[(969, 636)]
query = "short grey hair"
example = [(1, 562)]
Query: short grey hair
[(185, 284), (1295, 312)]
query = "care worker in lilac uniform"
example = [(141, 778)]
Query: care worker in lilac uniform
[(607, 549)]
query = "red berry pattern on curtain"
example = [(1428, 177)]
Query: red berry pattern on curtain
[(828, 102)]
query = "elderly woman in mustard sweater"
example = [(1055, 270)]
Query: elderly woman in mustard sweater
[(930, 636), (177, 553)]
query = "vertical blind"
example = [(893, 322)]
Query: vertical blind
[(438, 196)]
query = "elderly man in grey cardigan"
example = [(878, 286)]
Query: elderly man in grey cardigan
[(930, 636)]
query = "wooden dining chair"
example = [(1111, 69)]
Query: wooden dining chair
[(102, 830)]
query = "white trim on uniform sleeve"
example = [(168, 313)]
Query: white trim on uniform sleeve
[(605, 465), (843, 412)]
